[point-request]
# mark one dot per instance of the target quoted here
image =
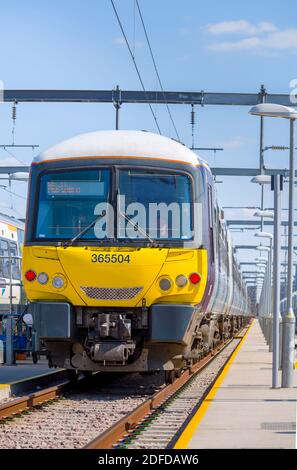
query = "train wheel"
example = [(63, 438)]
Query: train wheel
[(178, 373), (169, 376)]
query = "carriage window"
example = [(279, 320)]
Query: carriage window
[(16, 272), (4, 259), (9, 253)]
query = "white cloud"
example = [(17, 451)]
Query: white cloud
[(119, 40), (240, 27), (281, 40), (263, 37), (243, 44)]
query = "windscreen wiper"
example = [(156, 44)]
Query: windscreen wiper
[(83, 231), (137, 228)]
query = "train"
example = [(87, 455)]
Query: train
[(127, 260), (11, 241)]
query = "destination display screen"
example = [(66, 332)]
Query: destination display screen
[(75, 188)]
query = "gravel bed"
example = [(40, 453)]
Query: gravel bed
[(160, 433), (74, 420)]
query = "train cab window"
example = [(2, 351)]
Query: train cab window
[(158, 204), (68, 202)]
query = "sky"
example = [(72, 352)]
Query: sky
[(218, 46)]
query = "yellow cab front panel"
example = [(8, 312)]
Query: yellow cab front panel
[(115, 276)]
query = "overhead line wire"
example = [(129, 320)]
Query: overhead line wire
[(135, 64), (156, 69)]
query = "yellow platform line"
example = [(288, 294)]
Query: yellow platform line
[(188, 432)]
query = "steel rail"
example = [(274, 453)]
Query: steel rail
[(19, 405), (128, 423)]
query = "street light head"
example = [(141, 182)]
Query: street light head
[(264, 235), (268, 214), (261, 179), (263, 248), (261, 260), (273, 110)]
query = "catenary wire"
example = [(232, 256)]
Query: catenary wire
[(135, 64), (156, 68)]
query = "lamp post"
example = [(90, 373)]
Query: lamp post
[(267, 293), (280, 111), (269, 286), (265, 298)]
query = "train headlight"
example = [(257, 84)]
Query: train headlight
[(195, 278), (181, 280), (30, 275), (58, 282), (165, 284), (42, 278)]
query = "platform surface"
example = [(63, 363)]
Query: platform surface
[(22, 370), (13, 378), (245, 412)]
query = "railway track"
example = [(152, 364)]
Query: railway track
[(126, 412), (17, 406), (156, 422)]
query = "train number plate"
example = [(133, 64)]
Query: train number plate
[(110, 258)]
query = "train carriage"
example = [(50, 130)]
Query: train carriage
[(11, 240), (126, 256)]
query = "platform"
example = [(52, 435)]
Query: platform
[(25, 376), (242, 410)]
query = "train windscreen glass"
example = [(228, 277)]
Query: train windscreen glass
[(150, 205), (68, 202), (155, 205)]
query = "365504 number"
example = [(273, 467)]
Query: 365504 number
[(110, 258)]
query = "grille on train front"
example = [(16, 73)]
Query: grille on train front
[(111, 293)]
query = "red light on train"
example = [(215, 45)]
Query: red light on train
[(30, 275), (195, 278)]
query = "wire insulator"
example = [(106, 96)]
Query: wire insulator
[(14, 111), (192, 116)]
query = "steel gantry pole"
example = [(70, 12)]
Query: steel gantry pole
[(276, 186), (288, 349), (262, 166)]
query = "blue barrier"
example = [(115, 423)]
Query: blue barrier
[(19, 342)]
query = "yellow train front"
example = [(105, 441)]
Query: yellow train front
[(118, 262)]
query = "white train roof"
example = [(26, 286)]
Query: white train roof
[(120, 143)]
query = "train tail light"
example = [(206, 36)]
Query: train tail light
[(30, 275), (195, 278)]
